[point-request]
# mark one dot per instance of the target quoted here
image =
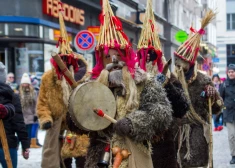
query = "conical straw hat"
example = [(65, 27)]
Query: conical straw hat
[(149, 35), (149, 39), (111, 31)]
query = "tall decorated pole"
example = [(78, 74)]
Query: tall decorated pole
[(5, 145)]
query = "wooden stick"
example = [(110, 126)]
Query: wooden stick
[(63, 68), (5, 145), (210, 164), (102, 114)]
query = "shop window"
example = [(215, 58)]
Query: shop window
[(48, 33), (2, 29), (33, 30), (36, 60), (17, 29)]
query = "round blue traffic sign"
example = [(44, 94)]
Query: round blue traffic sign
[(85, 41)]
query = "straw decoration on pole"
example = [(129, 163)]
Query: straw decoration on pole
[(189, 50)]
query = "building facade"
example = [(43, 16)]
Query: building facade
[(225, 35), (29, 31)]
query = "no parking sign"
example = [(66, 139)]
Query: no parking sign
[(85, 41)]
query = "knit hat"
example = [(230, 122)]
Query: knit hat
[(25, 79), (188, 51), (3, 74), (112, 36), (149, 41), (231, 67)]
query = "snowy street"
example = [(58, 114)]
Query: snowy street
[(221, 152)]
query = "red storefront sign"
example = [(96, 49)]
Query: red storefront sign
[(71, 14)]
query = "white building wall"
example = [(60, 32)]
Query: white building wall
[(224, 37)]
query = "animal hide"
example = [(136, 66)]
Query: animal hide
[(164, 150), (50, 105), (177, 97), (197, 141), (154, 114)]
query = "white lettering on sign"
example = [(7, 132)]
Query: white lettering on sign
[(71, 14)]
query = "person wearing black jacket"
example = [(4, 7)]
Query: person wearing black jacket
[(7, 110), (13, 121), (227, 92)]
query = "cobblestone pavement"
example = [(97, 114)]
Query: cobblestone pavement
[(221, 152)]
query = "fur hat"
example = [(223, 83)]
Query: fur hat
[(25, 79), (149, 40), (188, 51), (3, 74)]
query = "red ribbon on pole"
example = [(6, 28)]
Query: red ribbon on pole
[(201, 31), (152, 25), (192, 30), (61, 6), (60, 41)]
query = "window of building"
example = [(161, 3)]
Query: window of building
[(17, 29), (48, 33), (125, 11), (230, 21), (231, 50), (2, 29), (33, 30), (230, 10)]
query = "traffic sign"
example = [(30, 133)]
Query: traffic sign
[(205, 67), (85, 41), (181, 36), (215, 59)]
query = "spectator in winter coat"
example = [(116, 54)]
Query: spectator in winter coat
[(28, 97), (11, 82), (218, 126), (7, 111), (227, 92)]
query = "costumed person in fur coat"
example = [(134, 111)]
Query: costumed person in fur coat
[(151, 60), (143, 109), (53, 99), (194, 133)]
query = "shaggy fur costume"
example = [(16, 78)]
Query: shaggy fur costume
[(154, 103), (164, 153), (197, 141), (177, 97), (50, 105), (153, 117)]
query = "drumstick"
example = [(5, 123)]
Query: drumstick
[(64, 69), (102, 114)]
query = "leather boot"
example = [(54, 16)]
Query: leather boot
[(33, 143), (233, 160)]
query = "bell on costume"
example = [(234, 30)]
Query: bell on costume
[(104, 161)]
